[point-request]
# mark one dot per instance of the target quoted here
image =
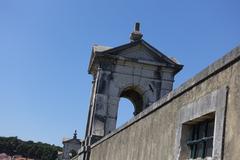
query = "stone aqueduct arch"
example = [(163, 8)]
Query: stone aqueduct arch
[(136, 71)]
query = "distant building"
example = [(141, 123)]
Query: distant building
[(70, 148), (20, 157), (4, 156)]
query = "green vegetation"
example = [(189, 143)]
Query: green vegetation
[(39, 151)]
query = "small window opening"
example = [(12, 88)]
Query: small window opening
[(125, 111), (201, 142), (197, 138)]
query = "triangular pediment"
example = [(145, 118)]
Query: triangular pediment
[(72, 141), (139, 51)]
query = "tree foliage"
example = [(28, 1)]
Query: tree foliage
[(29, 149)]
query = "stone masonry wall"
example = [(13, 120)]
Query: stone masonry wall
[(151, 135)]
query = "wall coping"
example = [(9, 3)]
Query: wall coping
[(227, 60)]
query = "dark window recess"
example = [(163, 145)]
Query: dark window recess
[(201, 141)]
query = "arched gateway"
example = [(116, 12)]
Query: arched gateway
[(136, 71)]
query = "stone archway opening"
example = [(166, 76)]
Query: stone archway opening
[(130, 104), (125, 111), (135, 97), (72, 153)]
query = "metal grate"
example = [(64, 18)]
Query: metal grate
[(201, 143)]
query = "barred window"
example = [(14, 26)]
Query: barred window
[(201, 140)]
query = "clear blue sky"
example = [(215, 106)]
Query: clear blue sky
[(45, 47)]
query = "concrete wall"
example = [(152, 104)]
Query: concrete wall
[(153, 134)]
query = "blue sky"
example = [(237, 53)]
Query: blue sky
[(45, 47)]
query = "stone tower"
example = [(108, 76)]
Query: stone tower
[(136, 71)]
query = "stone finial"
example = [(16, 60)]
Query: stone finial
[(136, 34), (75, 135)]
